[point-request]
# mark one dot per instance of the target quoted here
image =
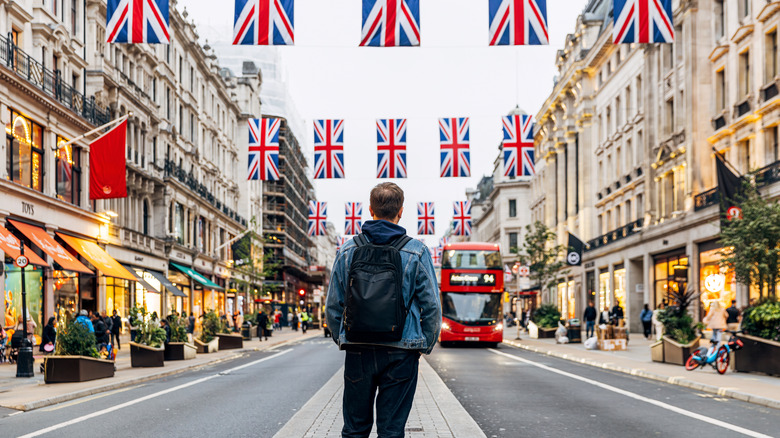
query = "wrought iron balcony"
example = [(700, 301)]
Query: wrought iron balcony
[(615, 235), (706, 199), (51, 83)]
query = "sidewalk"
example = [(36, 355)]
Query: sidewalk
[(32, 393), (752, 388), (435, 412)]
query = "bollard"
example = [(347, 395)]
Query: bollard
[(24, 362)]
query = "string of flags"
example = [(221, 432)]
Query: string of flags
[(387, 23)]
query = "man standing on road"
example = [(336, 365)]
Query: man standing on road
[(385, 312), (590, 319)]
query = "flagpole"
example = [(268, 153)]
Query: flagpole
[(718, 156), (94, 131)]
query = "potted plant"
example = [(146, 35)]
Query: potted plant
[(148, 350), (680, 338), (761, 336), (75, 358), (208, 342), (179, 347), (227, 339), (544, 322)]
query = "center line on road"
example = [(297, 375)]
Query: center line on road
[(148, 397), (635, 396)]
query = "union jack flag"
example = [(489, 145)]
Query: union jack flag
[(340, 242), (444, 241), (518, 22), (388, 23), (518, 145), (318, 217), (643, 21), (454, 136), (436, 254), (461, 219), (137, 21), (264, 23), (353, 218), (264, 149), (328, 149), (391, 148), (425, 218)]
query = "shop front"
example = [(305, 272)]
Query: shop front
[(716, 283), (567, 298), (143, 291), (206, 295), (670, 274), (33, 276), (147, 291)]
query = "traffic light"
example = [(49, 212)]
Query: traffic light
[(301, 293)]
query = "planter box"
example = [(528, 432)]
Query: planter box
[(536, 332), (229, 341), (180, 351), (211, 347), (657, 351), (759, 355), (145, 356), (58, 369), (678, 353)]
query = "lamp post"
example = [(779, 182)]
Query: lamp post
[(24, 362)]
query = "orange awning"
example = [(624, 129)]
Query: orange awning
[(50, 246), (11, 247), (98, 257)]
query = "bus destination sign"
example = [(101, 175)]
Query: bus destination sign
[(467, 279)]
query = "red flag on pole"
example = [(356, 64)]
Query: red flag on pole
[(107, 166)]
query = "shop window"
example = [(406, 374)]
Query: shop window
[(118, 296), (66, 291), (68, 172), (665, 279), (572, 299), (619, 276), (33, 281), (590, 285), (716, 283), (605, 298), (24, 145)]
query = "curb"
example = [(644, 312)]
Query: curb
[(37, 404), (685, 383)]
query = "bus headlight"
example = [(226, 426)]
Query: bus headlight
[(498, 327), (445, 326)]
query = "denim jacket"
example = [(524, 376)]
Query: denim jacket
[(420, 289)]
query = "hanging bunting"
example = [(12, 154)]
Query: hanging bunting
[(518, 22), (435, 255), (137, 21), (264, 23), (461, 219), (328, 149), (264, 149), (353, 217), (444, 241), (642, 21), (389, 23), (425, 218), (391, 148), (454, 137), (340, 242), (318, 218), (518, 146)]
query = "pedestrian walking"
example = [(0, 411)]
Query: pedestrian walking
[(190, 323), (647, 321), (289, 318), (657, 324), (382, 266), (49, 336), (116, 328), (304, 320), (716, 319), (101, 331), (589, 316), (734, 317), (277, 320), (295, 321), (262, 321)]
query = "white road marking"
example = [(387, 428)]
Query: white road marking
[(663, 405), (86, 399), (143, 399)]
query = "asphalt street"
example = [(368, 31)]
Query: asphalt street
[(220, 400), (518, 394)]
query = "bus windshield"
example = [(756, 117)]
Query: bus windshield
[(471, 308), (470, 259)]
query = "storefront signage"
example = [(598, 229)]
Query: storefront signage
[(28, 208), (589, 265), (459, 279), (715, 283)]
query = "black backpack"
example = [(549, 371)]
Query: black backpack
[(375, 310)]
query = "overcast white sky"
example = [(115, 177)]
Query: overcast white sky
[(453, 74)]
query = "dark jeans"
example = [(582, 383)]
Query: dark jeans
[(589, 325), (115, 336), (646, 325), (391, 371)]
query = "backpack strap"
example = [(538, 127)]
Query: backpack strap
[(361, 240), (401, 242)]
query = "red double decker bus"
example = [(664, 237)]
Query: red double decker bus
[(472, 284)]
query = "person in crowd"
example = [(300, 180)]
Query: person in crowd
[(734, 317), (277, 320), (295, 321), (657, 325), (604, 318), (167, 327), (716, 319), (262, 321), (101, 331), (647, 321), (190, 323), (289, 319), (239, 321), (304, 320), (49, 336), (116, 329), (108, 321), (617, 314), (84, 320), (31, 325), (589, 316)]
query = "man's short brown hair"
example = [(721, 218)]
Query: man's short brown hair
[(386, 200)]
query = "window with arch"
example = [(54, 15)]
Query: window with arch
[(24, 148), (68, 172)]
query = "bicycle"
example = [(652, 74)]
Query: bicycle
[(716, 355)]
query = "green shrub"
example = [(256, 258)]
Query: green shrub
[(149, 331), (763, 319), (546, 315), (212, 324), (178, 328), (74, 339)]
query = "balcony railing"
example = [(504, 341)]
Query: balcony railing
[(765, 176), (51, 83), (615, 235), (172, 170), (706, 199)]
